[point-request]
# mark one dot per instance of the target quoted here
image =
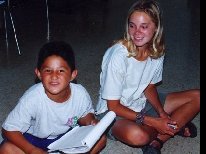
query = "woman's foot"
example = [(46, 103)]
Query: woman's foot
[(157, 143), (189, 130), (154, 147)]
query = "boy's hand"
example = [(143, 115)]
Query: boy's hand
[(89, 119), (94, 122)]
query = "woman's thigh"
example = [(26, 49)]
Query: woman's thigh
[(129, 132), (176, 99)]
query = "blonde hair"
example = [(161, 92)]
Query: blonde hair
[(157, 47)]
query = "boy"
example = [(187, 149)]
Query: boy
[(50, 108)]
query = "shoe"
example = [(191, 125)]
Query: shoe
[(192, 129), (150, 149)]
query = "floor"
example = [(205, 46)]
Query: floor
[(90, 26)]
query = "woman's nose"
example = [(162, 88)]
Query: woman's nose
[(138, 31)]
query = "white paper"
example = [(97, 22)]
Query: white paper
[(82, 139)]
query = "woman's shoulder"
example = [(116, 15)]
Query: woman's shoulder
[(157, 60), (117, 50)]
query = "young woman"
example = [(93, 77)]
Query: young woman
[(131, 68)]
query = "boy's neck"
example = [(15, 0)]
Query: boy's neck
[(61, 97)]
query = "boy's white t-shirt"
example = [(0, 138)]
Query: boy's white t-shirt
[(38, 115), (125, 78)]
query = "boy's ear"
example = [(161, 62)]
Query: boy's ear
[(37, 72), (74, 74)]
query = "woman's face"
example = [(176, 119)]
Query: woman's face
[(141, 28)]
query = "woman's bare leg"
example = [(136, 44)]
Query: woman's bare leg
[(132, 134), (183, 107)]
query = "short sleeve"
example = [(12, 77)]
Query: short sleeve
[(82, 103), (89, 105), (19, 119), (158, 72), (113, 74)]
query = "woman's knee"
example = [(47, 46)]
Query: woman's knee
[(196, 97), (138, 137), (130, 133)]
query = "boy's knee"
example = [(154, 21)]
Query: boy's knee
[(5, 148), (8, 147)]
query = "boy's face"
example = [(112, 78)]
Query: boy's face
[(55, 75)]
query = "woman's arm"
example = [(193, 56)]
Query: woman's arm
[(16, 138), (152, 96), (161, 123), (120, 110)]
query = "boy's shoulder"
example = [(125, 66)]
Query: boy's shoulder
[(77, 87), (34, 89)]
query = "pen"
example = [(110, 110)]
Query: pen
[(172, 126)]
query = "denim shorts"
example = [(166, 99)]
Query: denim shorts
[(149, 111)]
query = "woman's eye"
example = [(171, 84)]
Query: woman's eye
[(131, 26), (144, 27)]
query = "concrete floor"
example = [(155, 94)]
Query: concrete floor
[(90, 26)]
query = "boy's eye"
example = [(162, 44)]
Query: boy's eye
[(61, 71), (47, 70)]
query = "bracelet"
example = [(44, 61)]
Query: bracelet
[(140, 117)]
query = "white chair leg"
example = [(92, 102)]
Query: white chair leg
[(14, 30), (48, 26), (5, 25)]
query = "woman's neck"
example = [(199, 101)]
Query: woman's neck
[(142, 55)]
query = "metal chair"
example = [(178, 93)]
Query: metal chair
[(48, 26), (5, 5)]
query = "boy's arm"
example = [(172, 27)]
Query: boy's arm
[(16, 138), (87, 120)]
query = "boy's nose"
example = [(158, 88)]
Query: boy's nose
[(54, 75)]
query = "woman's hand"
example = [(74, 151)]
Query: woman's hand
[(164, 114), (163, 125)]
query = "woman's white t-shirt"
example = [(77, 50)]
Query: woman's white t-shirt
[(125, 78)]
